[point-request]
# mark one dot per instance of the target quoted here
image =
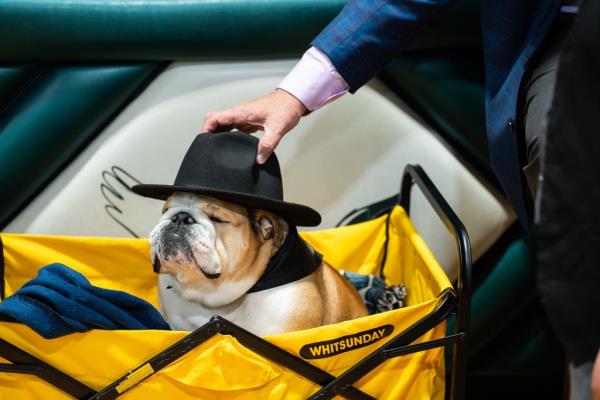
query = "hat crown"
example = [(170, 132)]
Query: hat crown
[(223, 165), (227, 162)]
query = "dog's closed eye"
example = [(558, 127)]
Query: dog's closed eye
[(217, 219)]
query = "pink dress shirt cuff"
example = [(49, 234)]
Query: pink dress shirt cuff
[(314, 80)]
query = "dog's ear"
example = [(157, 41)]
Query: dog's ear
[(268, 226)]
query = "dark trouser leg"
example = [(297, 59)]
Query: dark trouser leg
[(539, 92), (539, 89)]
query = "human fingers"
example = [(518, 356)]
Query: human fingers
[(267, 144), (226, 119)]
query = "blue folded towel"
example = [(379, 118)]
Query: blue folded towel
[(60, 301)]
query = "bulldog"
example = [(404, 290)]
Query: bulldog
[(211, 253)]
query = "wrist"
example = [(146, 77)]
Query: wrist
[(292, 102)]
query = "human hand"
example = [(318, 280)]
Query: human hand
[(275, 114)]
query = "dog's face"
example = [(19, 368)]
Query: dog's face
[(216, 250)]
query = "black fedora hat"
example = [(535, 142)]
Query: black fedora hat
[(223, 165)]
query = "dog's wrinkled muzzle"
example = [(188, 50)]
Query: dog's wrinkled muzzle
[(184, 239)]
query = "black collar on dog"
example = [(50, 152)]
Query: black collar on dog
[(294, 260)]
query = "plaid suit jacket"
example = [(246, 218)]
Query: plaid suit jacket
[(367, 34)]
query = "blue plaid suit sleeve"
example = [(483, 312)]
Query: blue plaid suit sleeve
[(367, 34)]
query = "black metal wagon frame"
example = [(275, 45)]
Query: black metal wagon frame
[(452, 301)]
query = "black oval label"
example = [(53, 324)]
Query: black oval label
[(343, 344)]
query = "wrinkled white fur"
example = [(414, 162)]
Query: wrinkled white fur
[(204, 234), (263, 313)]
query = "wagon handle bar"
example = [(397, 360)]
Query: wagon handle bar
[(416, 174)]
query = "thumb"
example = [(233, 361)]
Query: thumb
[(267, 144)]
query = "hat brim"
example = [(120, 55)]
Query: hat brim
[(296, 214)]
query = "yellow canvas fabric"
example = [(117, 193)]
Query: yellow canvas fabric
[(222, 368)]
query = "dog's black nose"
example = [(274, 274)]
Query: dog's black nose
[(182, 218)]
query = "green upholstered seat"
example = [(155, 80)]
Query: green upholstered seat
[(445, 86), (11, 78), (49, 121)]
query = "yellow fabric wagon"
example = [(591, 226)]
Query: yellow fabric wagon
[(393, 355)]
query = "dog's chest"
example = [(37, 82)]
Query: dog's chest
[(262, 313)]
